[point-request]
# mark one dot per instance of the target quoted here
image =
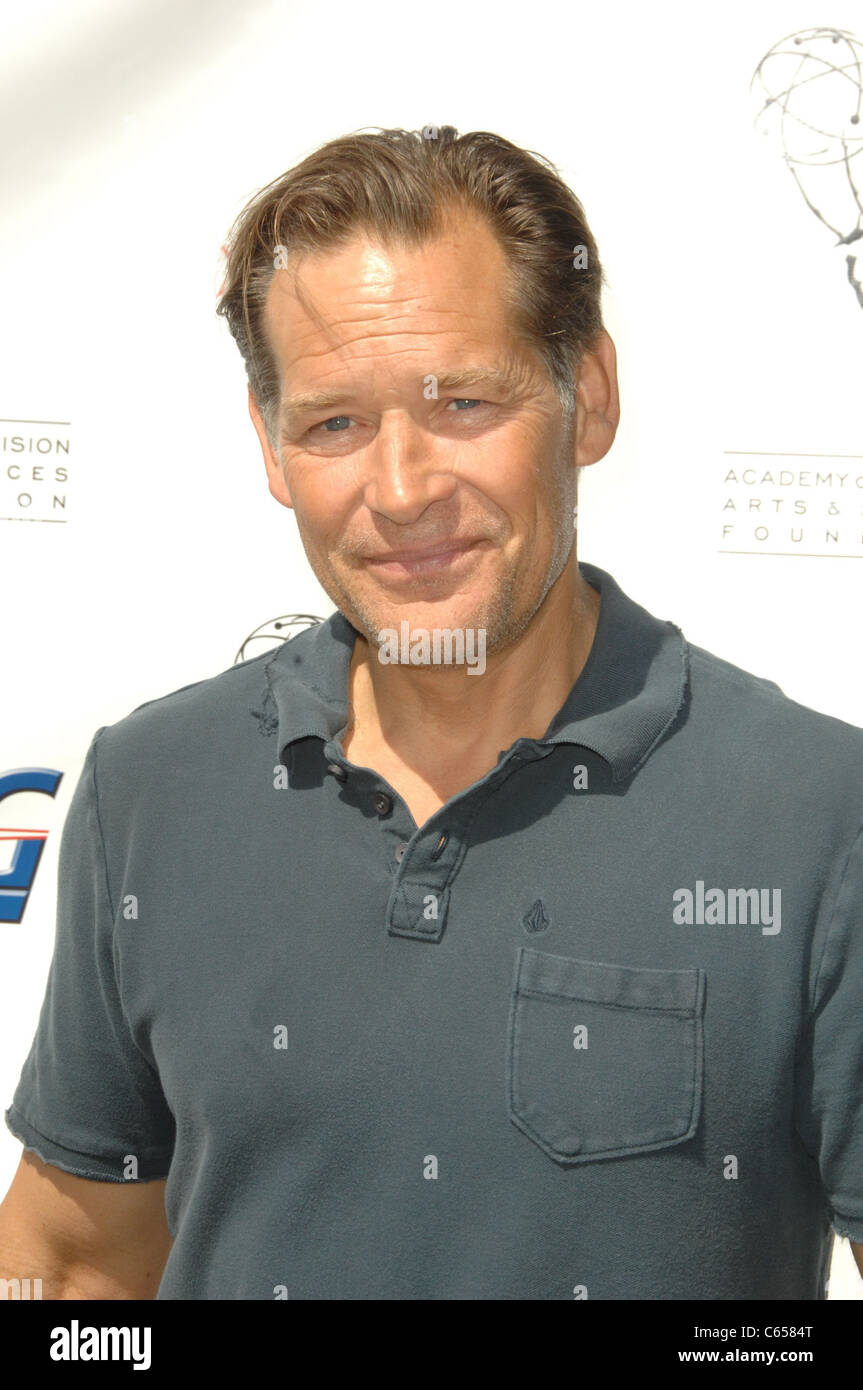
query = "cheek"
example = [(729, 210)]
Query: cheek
[(523, 480), (323, 498)]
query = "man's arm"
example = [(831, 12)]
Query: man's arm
[(858, 1254), (82, 1238)]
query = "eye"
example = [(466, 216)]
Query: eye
[(340, 424), (333, 420)]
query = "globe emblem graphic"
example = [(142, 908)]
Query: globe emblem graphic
[(810, 86), (269, 635)]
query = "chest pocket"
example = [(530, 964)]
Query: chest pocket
[(603, 1060)]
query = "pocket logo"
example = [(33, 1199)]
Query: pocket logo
[(537, 919)]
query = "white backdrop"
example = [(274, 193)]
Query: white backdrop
[(132, 135)]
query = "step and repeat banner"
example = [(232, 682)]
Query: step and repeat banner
[(718, 159)]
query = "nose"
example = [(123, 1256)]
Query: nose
[(406, 469)]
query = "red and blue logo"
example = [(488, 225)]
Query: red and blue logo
[(17, 881)]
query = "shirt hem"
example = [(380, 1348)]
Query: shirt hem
[(849, 1226)]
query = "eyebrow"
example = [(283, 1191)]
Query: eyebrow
[(307, 402)]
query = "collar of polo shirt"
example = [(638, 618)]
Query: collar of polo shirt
[(630, 691)]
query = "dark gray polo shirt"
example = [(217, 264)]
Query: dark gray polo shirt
[(595, 1030)]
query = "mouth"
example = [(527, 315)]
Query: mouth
[(425, 560)]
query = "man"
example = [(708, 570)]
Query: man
[(529, 977)]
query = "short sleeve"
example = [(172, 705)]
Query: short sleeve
[(87, 1099), (829, 1109)]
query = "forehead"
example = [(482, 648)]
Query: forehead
[(388, 300)]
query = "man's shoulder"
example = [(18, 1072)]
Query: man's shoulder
[(203, 714), (754, 712)]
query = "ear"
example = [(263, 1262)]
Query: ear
[(597, 411), (275, 473)]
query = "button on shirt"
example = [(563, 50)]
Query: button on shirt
[(593, 1030)]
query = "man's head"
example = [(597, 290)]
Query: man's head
[(367, 288)]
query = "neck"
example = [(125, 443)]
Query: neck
[(448, 721)]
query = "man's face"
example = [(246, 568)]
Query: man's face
[(384, 465)]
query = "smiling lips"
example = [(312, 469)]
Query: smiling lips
[(427, 558)]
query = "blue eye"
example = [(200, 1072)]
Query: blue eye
[(339, 424)]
